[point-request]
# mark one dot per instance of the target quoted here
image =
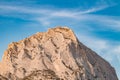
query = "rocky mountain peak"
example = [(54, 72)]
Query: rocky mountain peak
[(53, 55)]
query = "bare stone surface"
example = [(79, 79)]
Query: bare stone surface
[(53, 55)]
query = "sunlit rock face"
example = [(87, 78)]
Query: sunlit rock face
[(53, 55)]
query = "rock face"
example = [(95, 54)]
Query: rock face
[(53, 55)]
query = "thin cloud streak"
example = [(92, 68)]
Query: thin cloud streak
[(94, 9), (20, 9), (51, 12), (47, 15)]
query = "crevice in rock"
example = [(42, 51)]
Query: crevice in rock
[(70, 68)]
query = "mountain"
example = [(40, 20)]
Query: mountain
[(53, 55)]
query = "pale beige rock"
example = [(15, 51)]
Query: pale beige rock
[(53, 55)]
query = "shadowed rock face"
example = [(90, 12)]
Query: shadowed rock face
[(53, 55)]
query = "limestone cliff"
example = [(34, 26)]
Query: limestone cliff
[(53, 55)]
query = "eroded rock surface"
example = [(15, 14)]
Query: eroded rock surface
[(53, 55)]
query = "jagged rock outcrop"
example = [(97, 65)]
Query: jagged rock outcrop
[(53, 55)]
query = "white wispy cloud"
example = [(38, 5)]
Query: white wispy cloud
[(23, 9), (44, 16), (95, 9), (44, 21), (50, 12)]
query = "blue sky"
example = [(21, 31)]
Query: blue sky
[(95, 22)]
